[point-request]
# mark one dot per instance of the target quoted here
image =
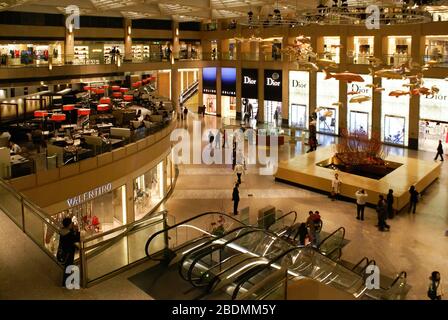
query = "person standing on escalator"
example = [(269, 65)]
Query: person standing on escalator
[(235, 199)]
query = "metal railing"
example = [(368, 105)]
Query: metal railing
[(396, 60), (440, 61)]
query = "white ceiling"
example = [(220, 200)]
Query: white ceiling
[(182, 10)]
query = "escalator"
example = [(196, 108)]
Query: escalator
[(231, 263), (284, 223), (189, 92)]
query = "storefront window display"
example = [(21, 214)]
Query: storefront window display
[(394, 113), (327, 105), (148, 191), (359, 105), (363, 49), (31, 53), (299, 97), (89, 52), (249, 112), (331, 48), (434, 115), (436, 48), (93, 212), (273, 97), (228, 92), (210, 103), (399, 50), (249, 94), (140, 52)]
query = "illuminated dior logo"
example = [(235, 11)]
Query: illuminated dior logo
[(436, 97), (357, 88), (249, 80), (272, 82), (298, 84)]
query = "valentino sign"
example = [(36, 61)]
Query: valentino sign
[(89, 195)]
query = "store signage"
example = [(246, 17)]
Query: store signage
[(89, 195), (354, 87), (228, 82), (273, 85), (433, 106), (209, 80), (249, 85)]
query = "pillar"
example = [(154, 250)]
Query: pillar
[(69, 45), (376, 104), (261, 81), (130, 215), (200, 88), (414, 104), (176, 45), (175, 88), (218, 91), (127, 39)]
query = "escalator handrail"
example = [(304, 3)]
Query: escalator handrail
[(205, 253), (284, 216), (217, 278), (216, 265), (184, 222), (361, 261), (332, 234), (251, 273), (371, 262), (331, 252), (402, 274), (214, 238)]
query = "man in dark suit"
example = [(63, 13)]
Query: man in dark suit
[(235, 199)]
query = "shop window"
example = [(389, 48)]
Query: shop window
[(399, 50), (100, 214), (436, 49), (363, 49), (148, 191)]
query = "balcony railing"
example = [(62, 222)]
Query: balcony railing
[(249, 56), (442, 60), (358, 58)]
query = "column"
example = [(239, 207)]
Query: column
[(414, 104), (127, 39), (175, 88), (200, 88), (176, 32), (69, 45), (261, 81), (376, 96), (238, 80), (285, 94), (130, 215), (218, 91)]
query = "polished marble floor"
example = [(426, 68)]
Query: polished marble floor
[(416, 243)]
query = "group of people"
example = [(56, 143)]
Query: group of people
[(384, 207), (307, 230)]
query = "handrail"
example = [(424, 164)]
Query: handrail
[(207, 252), (251, 273), (332, 234), (402, 274), (184, 222), (284, 216), (361, 261), (331, 252), (371, 262)]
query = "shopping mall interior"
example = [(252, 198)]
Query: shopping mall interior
[(223, 150)]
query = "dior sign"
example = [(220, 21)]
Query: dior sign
[(249, 80), (272, 83), (89, 195)]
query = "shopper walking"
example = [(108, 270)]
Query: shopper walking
[(439, 151), (185, 113), (239, 170), (381, 210), (390, 202), (413, 199), (361, 199), (434, 289), (235, 199), (203, 111), (67, 246), (335, 187), (218, 139), (211, 137)]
